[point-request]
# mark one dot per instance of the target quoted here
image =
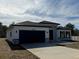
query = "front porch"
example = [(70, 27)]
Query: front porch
[(64, 34)]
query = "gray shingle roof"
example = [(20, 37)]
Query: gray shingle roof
[(63, 28), (48, 22), (41, 24), (26, 23)]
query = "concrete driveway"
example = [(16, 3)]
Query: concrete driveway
[(53, 52)]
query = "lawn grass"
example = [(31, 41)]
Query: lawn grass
[(74, 45), (10, 51)]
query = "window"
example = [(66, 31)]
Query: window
[(10, 34), (16, 31)]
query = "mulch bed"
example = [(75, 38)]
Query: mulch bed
[(15, 47)]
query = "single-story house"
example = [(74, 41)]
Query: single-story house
[(33, 32)]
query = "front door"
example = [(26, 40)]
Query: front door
[(50, 34)]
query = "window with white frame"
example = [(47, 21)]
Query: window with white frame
[(10, 34)]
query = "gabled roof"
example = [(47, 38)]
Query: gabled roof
[(39, 24), (48, 22), (25, 23)]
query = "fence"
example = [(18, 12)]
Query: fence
[(76, 38)]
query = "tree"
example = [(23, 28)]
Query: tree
[(71, 27), (11, 24), (76, 32), (4, 29), (1, 32)]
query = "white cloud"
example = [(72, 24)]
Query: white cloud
[(76, 21), (37, 10), (11, 10)]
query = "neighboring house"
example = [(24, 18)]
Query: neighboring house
[(31, 32)]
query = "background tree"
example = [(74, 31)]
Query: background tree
[(4, 29), (76, 32), (11, 24), (1, 30), (71, 27)]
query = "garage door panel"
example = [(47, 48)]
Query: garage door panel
[(31, 36)]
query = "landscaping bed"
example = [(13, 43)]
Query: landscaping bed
[(10, 51)]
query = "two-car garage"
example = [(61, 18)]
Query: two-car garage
[(29, 36)]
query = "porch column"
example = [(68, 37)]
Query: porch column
[(70, 34), (65, 34), (47, 36), (54, 34)]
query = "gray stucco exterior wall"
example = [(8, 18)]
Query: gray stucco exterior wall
[(15, 35), (54, 34)]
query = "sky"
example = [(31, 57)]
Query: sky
[(59, 11)]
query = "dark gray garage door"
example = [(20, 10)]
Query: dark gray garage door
[(31, 36)]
